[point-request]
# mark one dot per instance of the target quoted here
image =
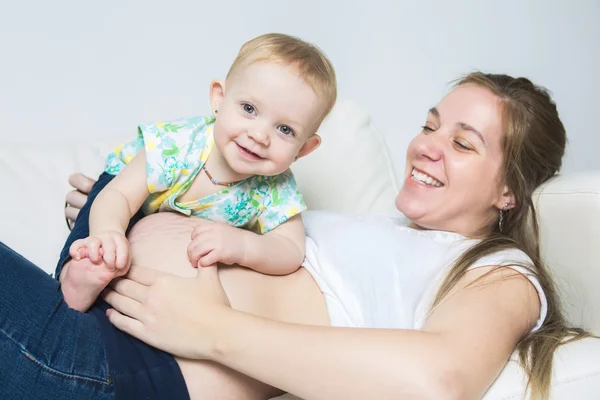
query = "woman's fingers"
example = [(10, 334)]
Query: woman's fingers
[(143, 275), (152, 305), (71, 213), (130, 289), (124, 304), (126, 324), (76, 199), (81, 182)]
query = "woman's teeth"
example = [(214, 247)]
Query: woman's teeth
[(424, 178)]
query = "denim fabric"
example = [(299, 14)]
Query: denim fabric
[(47, 351)]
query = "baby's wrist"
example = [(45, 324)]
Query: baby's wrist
[(244, 248)]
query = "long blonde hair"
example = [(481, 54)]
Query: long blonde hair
[(533, 143)]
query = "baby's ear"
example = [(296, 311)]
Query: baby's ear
[(216, 93), (309, 146)]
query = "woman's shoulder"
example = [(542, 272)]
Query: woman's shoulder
[(512, 257)]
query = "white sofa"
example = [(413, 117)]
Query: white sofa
[(352, 172)]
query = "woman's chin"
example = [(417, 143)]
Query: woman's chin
[(409, 207)]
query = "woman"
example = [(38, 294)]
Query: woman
[(454, 289)]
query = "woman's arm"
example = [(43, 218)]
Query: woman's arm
[(462, 348)]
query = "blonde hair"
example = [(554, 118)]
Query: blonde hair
[(533, 143), (312, 64)]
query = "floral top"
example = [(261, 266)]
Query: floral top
[(175, 154)]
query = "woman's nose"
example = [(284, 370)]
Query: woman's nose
[(430, 147)]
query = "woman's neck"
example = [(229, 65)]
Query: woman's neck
[(481, 234)]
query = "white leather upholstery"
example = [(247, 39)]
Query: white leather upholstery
[(351, 172), (569, 218)]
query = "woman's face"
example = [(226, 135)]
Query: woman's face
[(452, 178)]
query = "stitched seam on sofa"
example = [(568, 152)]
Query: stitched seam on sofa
[(583, 191), (579, 378), (563, 383)]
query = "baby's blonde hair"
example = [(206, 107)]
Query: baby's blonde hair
[(312, 64)]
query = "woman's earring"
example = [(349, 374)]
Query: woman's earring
[(216, 111), (501, 220)]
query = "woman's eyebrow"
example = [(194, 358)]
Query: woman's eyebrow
[(434, 111), (462, 125), (467, 127)]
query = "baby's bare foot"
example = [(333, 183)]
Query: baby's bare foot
[(82, 281)]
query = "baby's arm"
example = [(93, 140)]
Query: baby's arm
[(105, 252), (277, 252), (110, 215)]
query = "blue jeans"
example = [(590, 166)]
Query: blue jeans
[(47, 350)]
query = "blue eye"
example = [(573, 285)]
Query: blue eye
[(248, 108), (286, 130)]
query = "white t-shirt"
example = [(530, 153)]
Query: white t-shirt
[(376, 272)]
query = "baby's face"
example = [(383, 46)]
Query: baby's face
[(267, 117)]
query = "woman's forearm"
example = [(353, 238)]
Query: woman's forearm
[(338, 363)]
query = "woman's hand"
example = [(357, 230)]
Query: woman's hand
[(182, 316), (76, 198)]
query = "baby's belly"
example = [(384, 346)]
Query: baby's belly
[(160, 242)]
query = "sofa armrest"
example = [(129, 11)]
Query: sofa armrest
[(575, 374), (569, 216)]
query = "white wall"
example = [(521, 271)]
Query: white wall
[(92, 69)]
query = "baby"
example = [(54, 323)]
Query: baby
[(231, 169)]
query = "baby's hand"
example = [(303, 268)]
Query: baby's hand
[(216, 242), (110, 247)]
